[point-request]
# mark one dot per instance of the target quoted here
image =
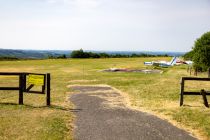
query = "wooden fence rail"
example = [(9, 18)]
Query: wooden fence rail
[(23, 85), (202, 92)]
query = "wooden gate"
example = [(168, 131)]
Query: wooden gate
[(27, 81)]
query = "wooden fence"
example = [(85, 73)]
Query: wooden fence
[(202, 91), (22, 87)]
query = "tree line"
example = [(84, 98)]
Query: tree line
[(200, 53), (82, 54), (3, 58)]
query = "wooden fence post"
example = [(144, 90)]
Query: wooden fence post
[(48, 89), (24, 82), (205, 101), (190, 70), (196, 72), (208, 72), (21, 86), (182, 92)]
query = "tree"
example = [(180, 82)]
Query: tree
[(78, 54), (201, 52), (104, 55), (188, 55), (62, 56)]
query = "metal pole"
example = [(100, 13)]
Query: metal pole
[(48, 89)]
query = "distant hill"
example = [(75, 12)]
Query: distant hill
[(42, 54), (32, 54)]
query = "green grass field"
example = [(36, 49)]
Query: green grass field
[(155, 93)]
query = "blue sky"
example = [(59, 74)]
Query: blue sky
[(117, 25)]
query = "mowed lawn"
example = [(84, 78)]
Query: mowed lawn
[(155, 93)]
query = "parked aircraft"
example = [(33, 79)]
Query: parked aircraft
[(162, 63)]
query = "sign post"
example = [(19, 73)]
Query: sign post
[(48, 89), (21, 89)]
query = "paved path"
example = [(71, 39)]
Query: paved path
[(102, 115)]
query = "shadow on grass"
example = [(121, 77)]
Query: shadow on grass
[(63, 108), (186, 105), (56, 107)]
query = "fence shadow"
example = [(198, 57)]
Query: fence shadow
[(56, 107), (187, 105)]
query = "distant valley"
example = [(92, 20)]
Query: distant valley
[(43, 54)]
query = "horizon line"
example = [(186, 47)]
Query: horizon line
[(92, 50)]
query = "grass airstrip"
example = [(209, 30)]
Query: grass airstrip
[(155, 93)]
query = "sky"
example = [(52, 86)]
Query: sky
[(103, 25)]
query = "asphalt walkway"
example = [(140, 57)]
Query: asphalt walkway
[(101, 114)]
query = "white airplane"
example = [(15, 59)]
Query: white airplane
[(189, 62), (162, 63)]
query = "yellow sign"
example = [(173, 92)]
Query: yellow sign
[(36, 79)]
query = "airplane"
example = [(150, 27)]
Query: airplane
[(162, 63)]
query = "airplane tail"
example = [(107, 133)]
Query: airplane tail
[(173, 61)]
